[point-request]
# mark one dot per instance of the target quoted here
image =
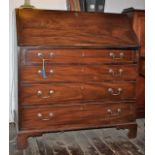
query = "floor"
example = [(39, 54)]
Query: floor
[(107, 141)]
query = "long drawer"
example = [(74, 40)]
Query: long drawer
[(76, 116), (71, 92), (78, 73), (77, 56)]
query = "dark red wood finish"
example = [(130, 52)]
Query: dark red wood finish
[(91, 72), (82, 56), (73, 92), (142, 66), (85, 115), (73, 29), (79, 73), (137, 18)]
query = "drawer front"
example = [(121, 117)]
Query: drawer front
[(78, 73), (77, 56), (77, 116), (71, 92)]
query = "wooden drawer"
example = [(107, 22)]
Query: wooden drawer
[(77, 116), (79, 73), (71, 92), (77, 56)]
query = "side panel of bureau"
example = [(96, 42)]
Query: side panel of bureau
[(138, 23)]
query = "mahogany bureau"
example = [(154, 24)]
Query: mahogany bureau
[(76, 71)]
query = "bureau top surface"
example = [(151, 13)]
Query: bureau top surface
[(74, 29)]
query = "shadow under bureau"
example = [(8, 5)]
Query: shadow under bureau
[(75, 71)]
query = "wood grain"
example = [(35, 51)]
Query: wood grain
[(137, 18), (76, 116), (74, 92), (79, 73), (77, 56), (84, 89), (72, 29)]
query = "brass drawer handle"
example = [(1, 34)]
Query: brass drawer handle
[(50, 116), (116, 74), (115, 93), (40, 94), (51, 55), (41, 55), (39, 71), (114, 113), (51, 71), (121, 56)]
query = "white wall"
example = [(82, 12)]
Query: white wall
[(118, 5), (44, 4), (110, 6), (12, 59)]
